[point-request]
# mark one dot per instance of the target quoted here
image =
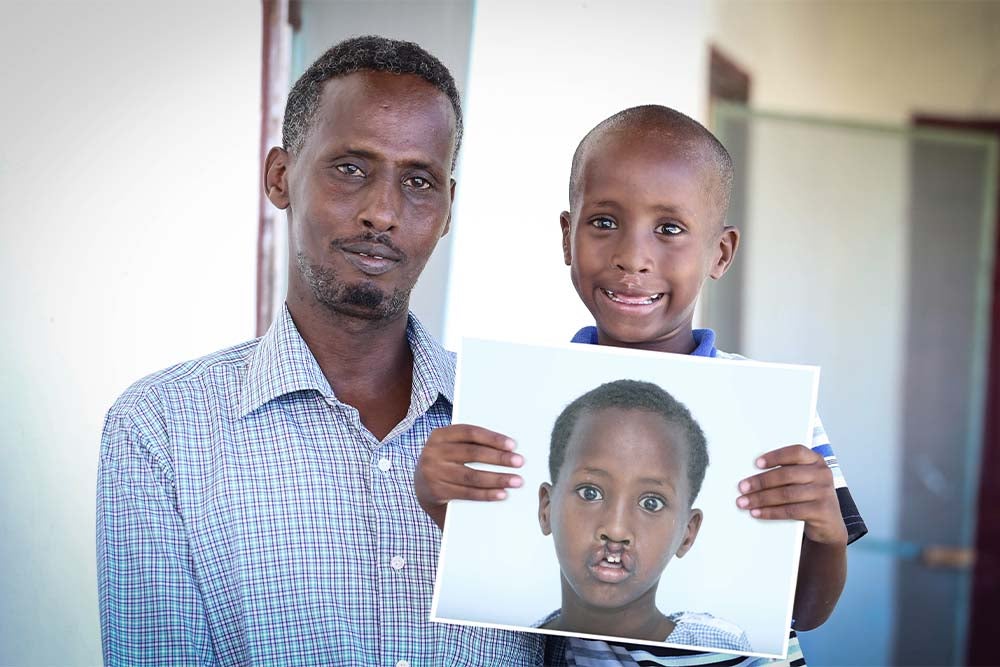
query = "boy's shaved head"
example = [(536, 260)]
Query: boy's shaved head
[(688, 137)]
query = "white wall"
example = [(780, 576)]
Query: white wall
[(541, 75), (876, 61), (127, 242)]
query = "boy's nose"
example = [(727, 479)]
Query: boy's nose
[(615, 527), (631, 255)]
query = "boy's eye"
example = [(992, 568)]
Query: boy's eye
[(669, 228), (589, 493), (604, 223), (652, 503), (417, 183), (350, 169)]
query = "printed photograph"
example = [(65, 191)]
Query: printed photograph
[(626, 526)]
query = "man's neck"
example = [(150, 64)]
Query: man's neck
[(368, 363)]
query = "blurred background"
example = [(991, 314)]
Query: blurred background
[(865, 135)]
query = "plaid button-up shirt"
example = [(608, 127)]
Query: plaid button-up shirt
[(246, 516)]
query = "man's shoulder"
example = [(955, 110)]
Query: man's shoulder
[(189, 380)]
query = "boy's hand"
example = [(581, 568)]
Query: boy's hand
[(799, 485), (442, 475)]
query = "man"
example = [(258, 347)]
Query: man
[(256, 505)]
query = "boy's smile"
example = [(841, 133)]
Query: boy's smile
[(643, 236), (619, 511)]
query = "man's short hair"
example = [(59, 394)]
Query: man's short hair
[(633, 395), (372, 53), (693, 141)]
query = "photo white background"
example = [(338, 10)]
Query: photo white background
[(497, 568)]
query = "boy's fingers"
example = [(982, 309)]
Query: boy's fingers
[(786, 456), (792, 474), (480, 436), (782, 495), (798, 511)]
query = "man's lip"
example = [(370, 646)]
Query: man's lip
[(375, 250), (372, 259)]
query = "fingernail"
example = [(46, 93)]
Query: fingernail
[(761, 463), (755, 513), (517, 460), (742, 501), (509, 444), (744, 486), (516, 482), (500, 495)]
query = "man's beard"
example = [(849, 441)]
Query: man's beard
[(363, 299)]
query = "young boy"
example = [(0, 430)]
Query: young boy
[(649, 190), (626, 461)]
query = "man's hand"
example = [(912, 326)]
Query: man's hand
[(798, 485), (442, 475)]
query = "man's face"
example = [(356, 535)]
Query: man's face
[(619, 510), (369, 194), (643, 236)]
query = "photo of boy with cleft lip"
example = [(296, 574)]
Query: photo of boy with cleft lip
[(627, 461)]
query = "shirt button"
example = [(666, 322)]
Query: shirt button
[(403, 663), (384, 464), (397, 563)]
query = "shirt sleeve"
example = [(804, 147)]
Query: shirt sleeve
[(150, 605), (856, 527)]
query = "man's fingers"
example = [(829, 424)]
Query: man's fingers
[(471, 453), (456, 492), (478, 435), (484, 479)]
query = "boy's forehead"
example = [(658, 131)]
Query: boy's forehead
[(597, 428), (616, 150)]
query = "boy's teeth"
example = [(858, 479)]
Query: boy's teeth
[(632, 300)]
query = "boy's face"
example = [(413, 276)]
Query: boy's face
[(643, 235), (619, 510)]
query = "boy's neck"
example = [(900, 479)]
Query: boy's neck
[(678, 342), (640, 619)]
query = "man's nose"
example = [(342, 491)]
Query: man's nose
[(632, 253), (381, 205)]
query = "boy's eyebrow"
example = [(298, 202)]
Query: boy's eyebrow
[(661, 208)]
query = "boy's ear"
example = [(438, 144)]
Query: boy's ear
[(567, 248), (690, 533), (544, 503), (729, 240), (275, 177)]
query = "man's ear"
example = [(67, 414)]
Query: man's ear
[(451, 202), (276, 177), (728, 241), (690, 533), (564, 222), (544, 505)]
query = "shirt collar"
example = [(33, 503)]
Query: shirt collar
[(704, 340), (282, 363)]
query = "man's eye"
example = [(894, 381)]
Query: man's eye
[(418, 183), (350, 169), (670, 229), (652, 503), (604, 223), (589, 493)]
